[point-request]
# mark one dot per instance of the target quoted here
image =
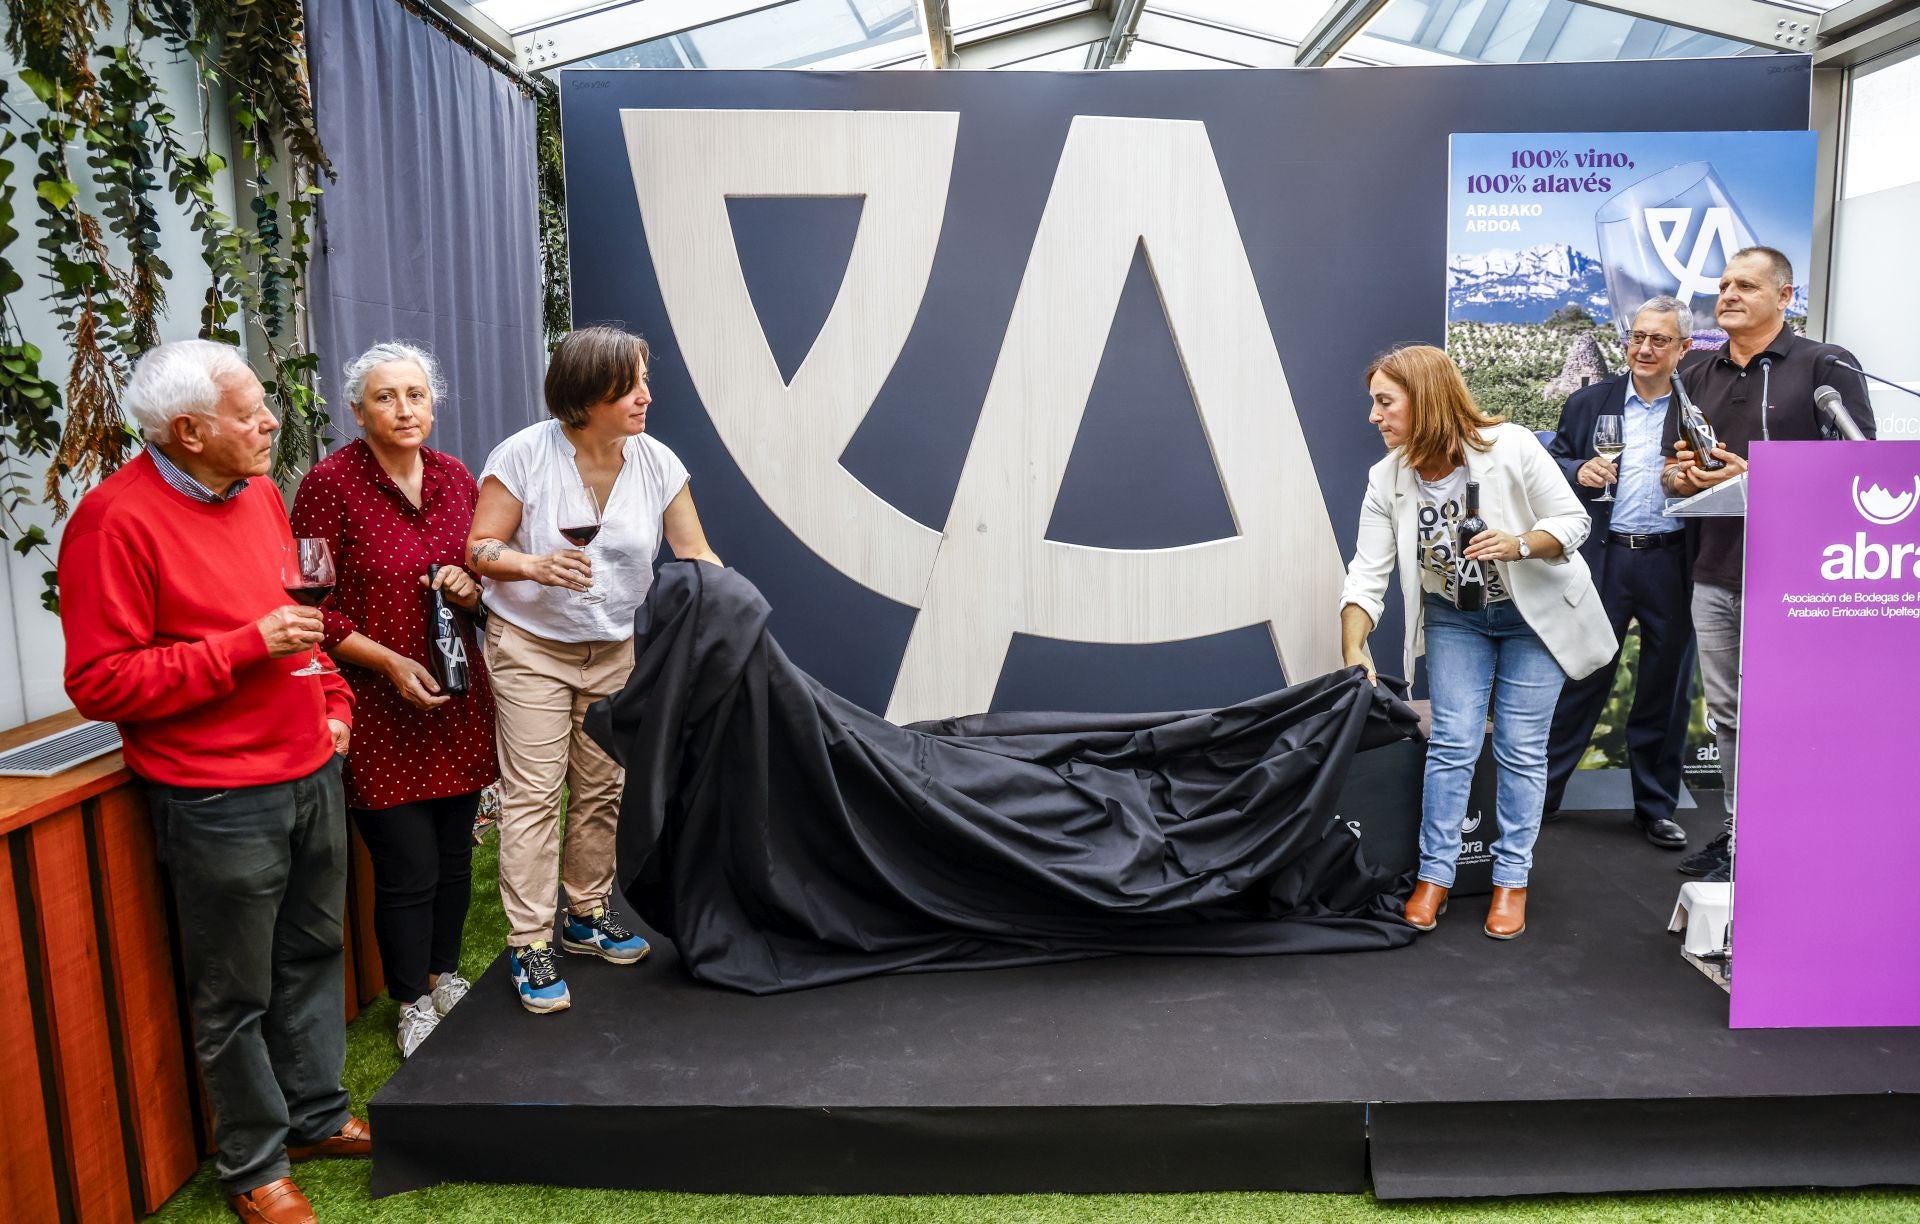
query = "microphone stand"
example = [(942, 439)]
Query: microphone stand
[(1766, 376)]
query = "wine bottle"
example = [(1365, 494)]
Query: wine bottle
[(446, 641), (1700, 435), (1470, 593)]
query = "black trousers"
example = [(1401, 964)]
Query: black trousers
[(1648, 585), (260, 882), (422, 862)]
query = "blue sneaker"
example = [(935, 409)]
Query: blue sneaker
[(538, 979), (600, 934)]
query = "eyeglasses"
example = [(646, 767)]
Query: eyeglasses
[(1657, 340)]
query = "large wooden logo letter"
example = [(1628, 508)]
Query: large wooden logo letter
[(1120, 184)]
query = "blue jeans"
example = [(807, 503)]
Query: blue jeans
[(1466, 653)]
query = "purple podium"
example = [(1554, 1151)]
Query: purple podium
[(1827, 852)]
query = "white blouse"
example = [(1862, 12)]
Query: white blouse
[(536, 465)]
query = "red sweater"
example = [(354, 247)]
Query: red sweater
[(159, 595)]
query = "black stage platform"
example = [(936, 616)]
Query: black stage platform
[(1584, 1056)]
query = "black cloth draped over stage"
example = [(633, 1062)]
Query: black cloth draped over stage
[(784, 837)]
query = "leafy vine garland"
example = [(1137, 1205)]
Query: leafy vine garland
[(104, 145), (101, 109)]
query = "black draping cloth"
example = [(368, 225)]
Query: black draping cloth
[(784, 837)]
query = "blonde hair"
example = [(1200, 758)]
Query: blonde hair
[(1442, 419)]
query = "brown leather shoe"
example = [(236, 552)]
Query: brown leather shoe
[(1507, 916), (277, 1202), (353, 1139), (1425, 906)]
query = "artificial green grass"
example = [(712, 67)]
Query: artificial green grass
[(338, 1188)]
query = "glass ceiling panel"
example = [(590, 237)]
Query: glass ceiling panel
[(1541, 31), (1067, 59), (1146, 55), (1288, 19), (966, 14), (791, 35), (518, 15)]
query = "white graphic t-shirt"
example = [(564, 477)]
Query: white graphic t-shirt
[(1443, 504)]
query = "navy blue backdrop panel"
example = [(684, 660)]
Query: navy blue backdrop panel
[(1337, 182)]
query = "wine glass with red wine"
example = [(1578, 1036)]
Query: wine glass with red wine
[(307, 576), (580, 523)]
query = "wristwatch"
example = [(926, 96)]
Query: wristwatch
[(1525, 549)]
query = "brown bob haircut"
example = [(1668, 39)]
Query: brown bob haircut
[(592, 366), (1442, 419)]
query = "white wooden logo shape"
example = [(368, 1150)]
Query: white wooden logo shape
[(1120, 183)]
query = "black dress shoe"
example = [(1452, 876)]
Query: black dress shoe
[(1663, 833)]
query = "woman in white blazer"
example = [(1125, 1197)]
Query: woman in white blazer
[(1542, 623)]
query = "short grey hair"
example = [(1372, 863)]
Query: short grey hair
[(1779, 267), (1666, 304), (392, 350), (176, 380)]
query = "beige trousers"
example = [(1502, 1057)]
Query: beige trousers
[(541, 691)]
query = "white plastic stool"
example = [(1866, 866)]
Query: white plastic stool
[(1703, 912)]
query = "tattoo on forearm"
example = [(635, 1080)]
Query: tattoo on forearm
[(487, 550)]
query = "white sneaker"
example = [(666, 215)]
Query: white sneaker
[(449, 990), (418, 1019)]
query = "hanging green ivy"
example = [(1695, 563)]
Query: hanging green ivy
[(262, 64), (29, 404), (103, 148), (556, 300)]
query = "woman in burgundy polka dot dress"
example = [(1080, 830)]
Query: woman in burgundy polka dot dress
[(391, 507)]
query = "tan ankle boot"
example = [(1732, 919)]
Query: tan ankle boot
[(1425, 906), (1507, 916)]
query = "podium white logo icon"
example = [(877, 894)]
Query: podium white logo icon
[(991, 572), (1882, 508)]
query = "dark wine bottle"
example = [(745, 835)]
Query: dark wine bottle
[(446, 641), (1700, 435), (1470, 594)]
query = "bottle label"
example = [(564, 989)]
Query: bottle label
[(1438, 549), (451, 643)]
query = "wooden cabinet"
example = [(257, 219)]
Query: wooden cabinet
[(100, 1091)]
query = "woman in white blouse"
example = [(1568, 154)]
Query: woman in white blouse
[(570, 517), (1542, 622)]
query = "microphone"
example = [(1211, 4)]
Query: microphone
[(1834, 359), (1827, 400), (1766, 379)]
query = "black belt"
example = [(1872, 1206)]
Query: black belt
[(1663, 539)]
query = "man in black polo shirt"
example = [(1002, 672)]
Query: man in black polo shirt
[(1759, 386)]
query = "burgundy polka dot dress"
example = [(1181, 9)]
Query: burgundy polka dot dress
[(382, 545)]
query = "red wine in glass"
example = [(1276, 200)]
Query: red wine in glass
[(580, 509), (306, 574)]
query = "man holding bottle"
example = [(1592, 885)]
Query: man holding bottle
[(1759, 387), (1639, 564)]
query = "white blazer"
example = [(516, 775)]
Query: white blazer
[(1521, 489)]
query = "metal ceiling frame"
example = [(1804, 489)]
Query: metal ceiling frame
[(1848, 34)]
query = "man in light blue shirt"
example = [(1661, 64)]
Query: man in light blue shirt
[(1639, 561)]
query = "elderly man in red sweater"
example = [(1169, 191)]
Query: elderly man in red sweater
[(178, 629)]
